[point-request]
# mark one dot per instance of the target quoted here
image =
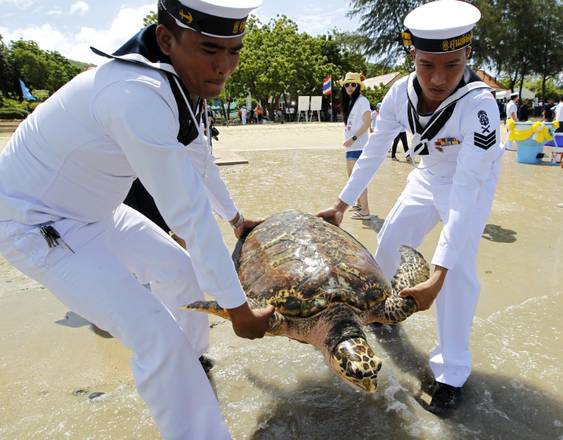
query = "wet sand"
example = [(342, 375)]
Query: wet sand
[(275, 388)]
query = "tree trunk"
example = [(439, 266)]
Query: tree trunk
[(543, 82), (522, 75)]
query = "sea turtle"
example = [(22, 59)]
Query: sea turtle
[(324, 285)]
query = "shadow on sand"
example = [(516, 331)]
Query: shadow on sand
[(494, 406), (494, 233), (499, 234), (375, 223)]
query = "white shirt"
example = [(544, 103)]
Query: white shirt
[(355, 121), (75, 157), (559, 112), (374, 115), (511, 108), (464, 166)]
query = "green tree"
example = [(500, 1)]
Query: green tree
[(381, 26), (8, 78), (277, 62), (31, 63), (376, 94), (519, 38), (42, 69), (151, 18), (549, 56)]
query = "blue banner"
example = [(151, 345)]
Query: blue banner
[(26, 93)]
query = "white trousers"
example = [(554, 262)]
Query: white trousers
[(424, 202), (103, 281)]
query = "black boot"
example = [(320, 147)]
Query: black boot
[(444, 397), (206, 363)]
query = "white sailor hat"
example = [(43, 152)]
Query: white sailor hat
[(441, 26), (215, 18)]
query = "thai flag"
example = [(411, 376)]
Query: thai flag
[(327, 85)]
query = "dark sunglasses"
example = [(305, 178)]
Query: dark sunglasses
[(351, 85)]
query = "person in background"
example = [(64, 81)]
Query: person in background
[(548, 110), (70, 164), (455, 124), (357, 120), (259, 113), (512, 107), (559, 115), (523, 110), (402, 136), (374, 115), (512, 113)]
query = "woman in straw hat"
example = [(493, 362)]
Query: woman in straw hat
[(357, 119)]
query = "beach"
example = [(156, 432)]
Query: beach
[(59, 380)]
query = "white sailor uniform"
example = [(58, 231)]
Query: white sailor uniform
[(65, 172), (454, 183)]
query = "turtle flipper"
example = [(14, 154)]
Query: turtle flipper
[(413, 270), (394, 309), (278, 324), (211, 307)]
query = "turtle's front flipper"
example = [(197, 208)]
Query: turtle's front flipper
[(394, 309), (277, 323)]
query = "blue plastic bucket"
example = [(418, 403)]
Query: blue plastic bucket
[(529, 151)]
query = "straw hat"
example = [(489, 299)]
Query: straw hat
[(353, 77)]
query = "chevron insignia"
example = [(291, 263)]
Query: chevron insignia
[(485, 142)]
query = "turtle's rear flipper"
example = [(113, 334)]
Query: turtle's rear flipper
[(413, 270), (210, 307)]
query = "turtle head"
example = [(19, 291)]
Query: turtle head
[(355, 362)]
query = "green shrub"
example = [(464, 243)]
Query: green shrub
[(13, 113), (41, 95), (30, 106)]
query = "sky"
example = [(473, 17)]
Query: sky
[(70, 27)]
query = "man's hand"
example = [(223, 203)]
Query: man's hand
[(246, 226), (348, 143), (335, 214), (248, 323), (178, 239), (426, 292)]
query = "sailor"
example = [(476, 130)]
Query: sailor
[(70, 164), (455, 121)]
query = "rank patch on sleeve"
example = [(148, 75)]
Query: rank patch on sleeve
[(485, 142), (484, 120)]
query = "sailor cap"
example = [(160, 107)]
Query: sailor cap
[(215, 18), (441, 26)]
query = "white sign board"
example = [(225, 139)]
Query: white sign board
[(303, 103), (316, 103)]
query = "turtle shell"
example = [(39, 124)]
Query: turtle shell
[(301, 264)]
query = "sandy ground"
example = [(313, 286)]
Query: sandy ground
[(52, 364)]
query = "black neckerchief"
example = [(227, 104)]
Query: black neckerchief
[(143, 49), (470, 81)]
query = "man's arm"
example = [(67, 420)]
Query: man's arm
[(374, 152), (143, 124), (475, 166)]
